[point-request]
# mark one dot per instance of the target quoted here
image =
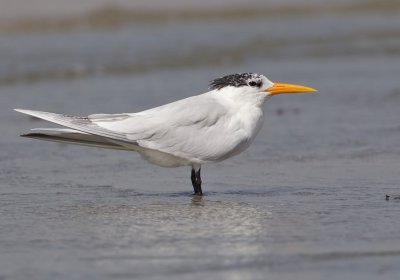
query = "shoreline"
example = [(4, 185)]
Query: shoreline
[(114, 16)]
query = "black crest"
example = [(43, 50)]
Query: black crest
[(236, 80)]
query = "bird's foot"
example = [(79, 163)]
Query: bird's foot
[(197, 194)]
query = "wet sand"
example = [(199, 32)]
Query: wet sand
[(305, 201)]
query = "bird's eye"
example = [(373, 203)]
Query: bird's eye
[(255, 83)]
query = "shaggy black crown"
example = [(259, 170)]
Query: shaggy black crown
[(237, 80)]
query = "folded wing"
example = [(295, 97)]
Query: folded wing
[(191, 128)]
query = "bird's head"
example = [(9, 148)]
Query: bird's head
[(254, 86)]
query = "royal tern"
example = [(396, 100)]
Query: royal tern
[(205, 128)]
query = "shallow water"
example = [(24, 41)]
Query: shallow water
[(306, 201)]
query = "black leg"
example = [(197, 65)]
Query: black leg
[(196, 182), (193, 177)]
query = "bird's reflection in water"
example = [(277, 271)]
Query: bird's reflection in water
[(231, 226), (197, 201)]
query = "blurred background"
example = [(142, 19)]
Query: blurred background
[(306, 201)]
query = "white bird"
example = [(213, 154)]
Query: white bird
[(206, 128)]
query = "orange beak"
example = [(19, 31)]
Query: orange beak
[(279, 88)]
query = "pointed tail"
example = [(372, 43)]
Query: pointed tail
[(71, 136)]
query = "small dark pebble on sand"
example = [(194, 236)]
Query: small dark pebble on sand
[(387, 197)]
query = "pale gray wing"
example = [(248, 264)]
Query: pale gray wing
[(199, 127), (83, 124), (154, 122)]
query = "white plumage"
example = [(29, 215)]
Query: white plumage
[(201, 129)]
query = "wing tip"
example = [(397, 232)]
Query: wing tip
[(23, 111), (27, 135)]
